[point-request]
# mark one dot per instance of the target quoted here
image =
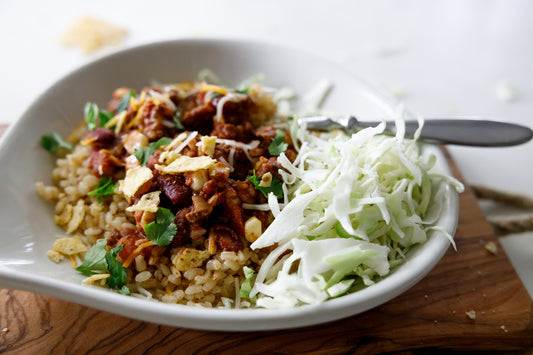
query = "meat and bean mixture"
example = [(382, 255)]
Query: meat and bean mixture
[(193, 161)]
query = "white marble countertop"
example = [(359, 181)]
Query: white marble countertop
[(446, 57)]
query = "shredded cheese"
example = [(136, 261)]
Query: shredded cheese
[(136, 252), (186, 141), (244, 146), (213, 88), (234, 97), (72, 261), (163, 99)]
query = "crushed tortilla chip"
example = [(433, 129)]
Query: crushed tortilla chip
[(78, 213), (69, 246), (185, 163), (207, 145), (189, 258), (471, 314), (97, 279), (167, 157), (149, 202), (266, 180), (491, 247), (55, 256), (91, 34), (135, 178)]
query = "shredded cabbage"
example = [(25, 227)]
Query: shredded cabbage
[(353, 207)]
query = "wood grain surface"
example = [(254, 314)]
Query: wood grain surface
[(430, 317)]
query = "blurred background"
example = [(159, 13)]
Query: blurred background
[(441, 57)]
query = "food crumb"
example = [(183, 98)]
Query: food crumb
[(453, 312), (471, 314), (91, 34), (426, 296), (5, 330), (491, 247)]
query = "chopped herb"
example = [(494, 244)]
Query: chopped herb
[(124, 290), (278, 145), (125, 101), (117, 271), (177, 119), (163, 229), (94, 259), (242, 91), (248, 283), (105, 116), (145, 153), (275, 186), (90, 112), (98, 259), (53, 143), (104, 188)]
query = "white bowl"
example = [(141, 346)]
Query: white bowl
[(27, 228)]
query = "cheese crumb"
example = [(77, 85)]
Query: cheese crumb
[(491, 247), (91, 34), (471, 314)]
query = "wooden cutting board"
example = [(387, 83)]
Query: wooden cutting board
[(429, 317)]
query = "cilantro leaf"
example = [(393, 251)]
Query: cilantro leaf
[(125, 101), (94, 117), (91, 113), (177, 119), (117, 271), (163, 229), (275, 186), (54, 142), (104, 188), (105, 116), (99, 259), (278, 145), (145, 153), (94, 259)]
